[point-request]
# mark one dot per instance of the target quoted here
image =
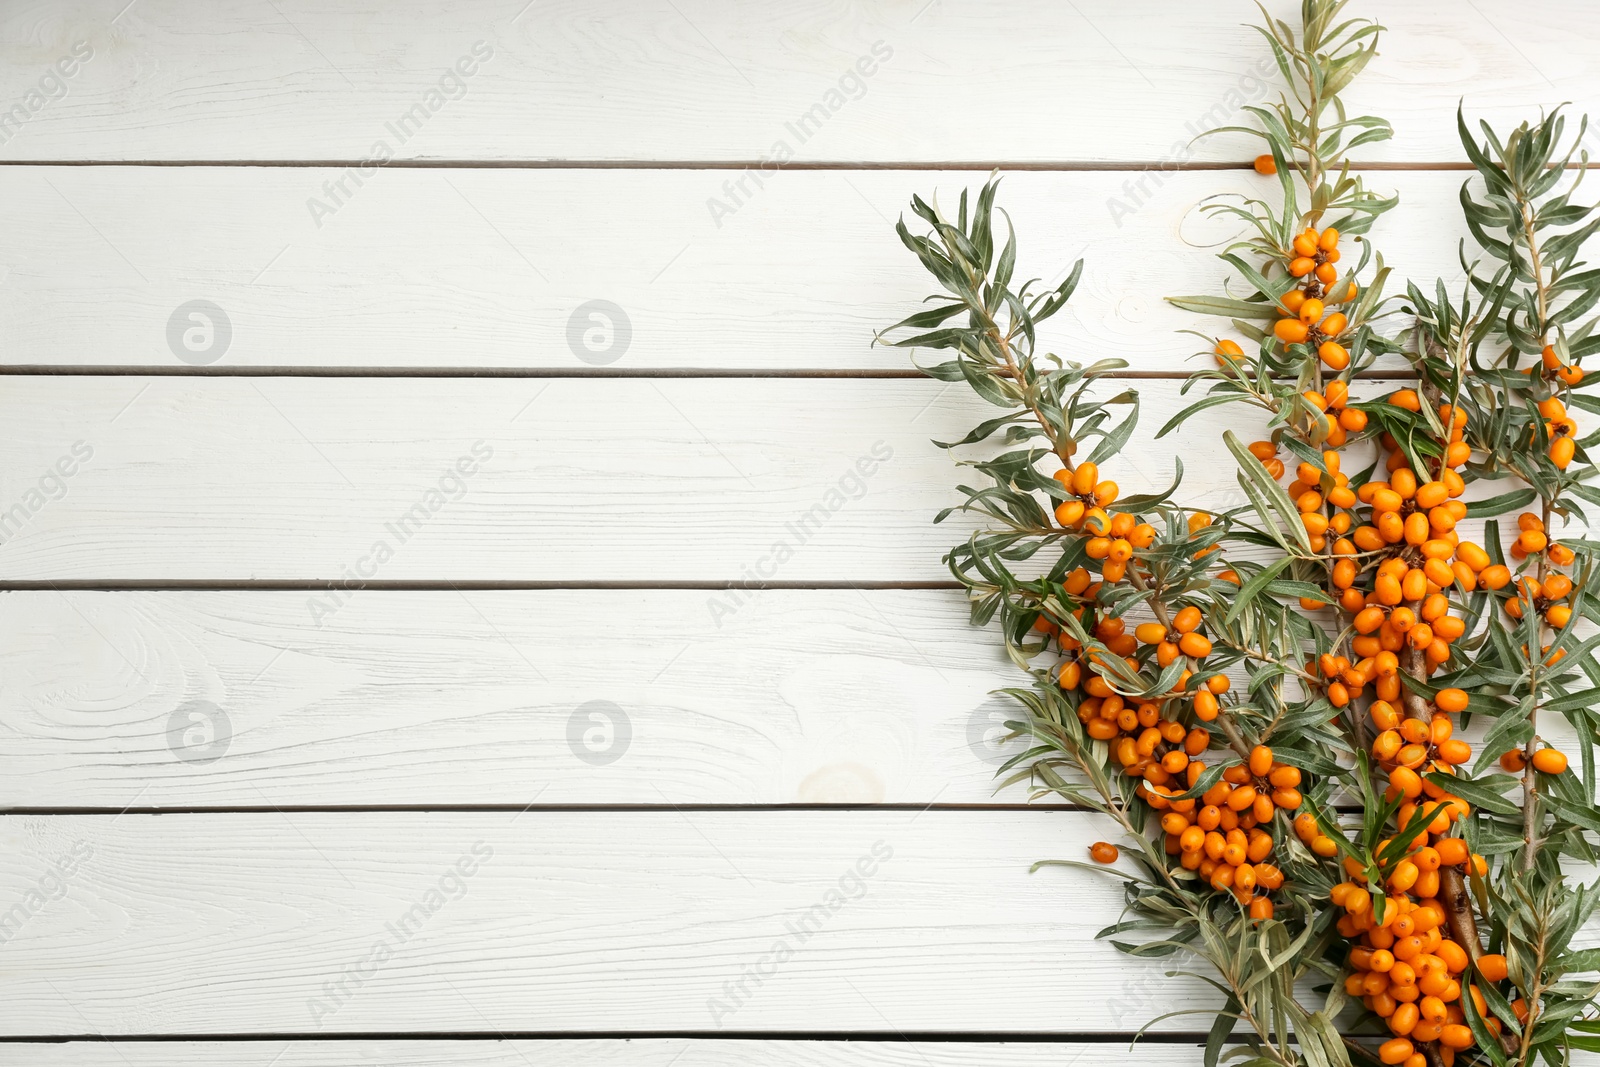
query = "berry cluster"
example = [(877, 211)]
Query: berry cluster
[(1225, 834), (1306, 319)]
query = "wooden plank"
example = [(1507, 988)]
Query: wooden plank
[(817, 696), (598, 921), (555, 697), (637, 1052), (702, 81), (349, 480), (588, 480), (473, 268)]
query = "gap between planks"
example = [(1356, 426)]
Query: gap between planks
[(221, 585), (562, 809), (1065, 167), (1049, 808), (39, 370), (1094, 1037)]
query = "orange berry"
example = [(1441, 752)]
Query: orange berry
[(1562, 450), (1550, 761), (1291, 331), (1069, 513), (1369, 619), (1103, 852), (1452, 851), (1265, 164), (1407, 399), (1150, 633), (1396, 1051)]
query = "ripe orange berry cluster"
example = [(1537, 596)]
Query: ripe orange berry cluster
[(1306, 318), (1403, 966), (1558, 425), (1409, 525), (1551, 367), (1544, 598), (1408, 748), (1223, 842), (1342, 420), (1545, 761), (1409, 973), (1221, 836), (1112, 535)]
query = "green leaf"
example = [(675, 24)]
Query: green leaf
[(1499, 505), (1227, 307), (1485, 793), (1255, 481), (1253, 587)]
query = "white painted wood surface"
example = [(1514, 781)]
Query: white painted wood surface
[(479, 268), (583, 922), (568, 921), (509, 697), (573, 480), (581, 480), (486, 697), (647, 1052), (967, 80)]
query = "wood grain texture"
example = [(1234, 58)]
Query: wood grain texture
[(595, 921), (491, 697), (497, 268), (573, 480), (621, 480), (699, 80), (817, 696), (662, 917), (638, 1052)]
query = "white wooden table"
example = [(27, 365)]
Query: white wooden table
[(543, 790)]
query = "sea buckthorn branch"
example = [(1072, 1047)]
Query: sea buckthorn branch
[(1296, 288), (1116, 716), (1304, 149), (1401, 577), (1517, 176), (1324, 60), (1524, 217), (1319, 319)]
